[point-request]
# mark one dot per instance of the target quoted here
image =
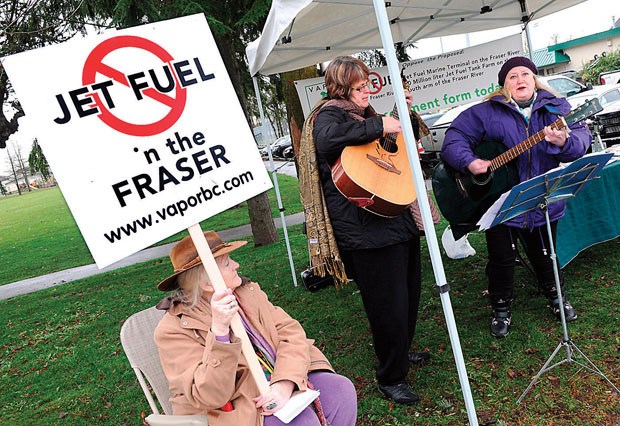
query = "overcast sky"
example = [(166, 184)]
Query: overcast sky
[(589, 17)]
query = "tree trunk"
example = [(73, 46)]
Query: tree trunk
[(18, 154), (263, 227), (19, 191), (295, 114)]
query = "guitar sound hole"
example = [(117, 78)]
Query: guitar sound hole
[(482, 179), (388, 145)]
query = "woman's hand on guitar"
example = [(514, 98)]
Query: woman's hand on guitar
[(390, 125), (556, 137), (478, 166)]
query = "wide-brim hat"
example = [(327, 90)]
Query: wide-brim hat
[(184, 256)]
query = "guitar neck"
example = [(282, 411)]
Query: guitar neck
[(390, 138), (520, 148)]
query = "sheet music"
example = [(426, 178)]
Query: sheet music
[(554, 185), (489, 216), (296, 404)]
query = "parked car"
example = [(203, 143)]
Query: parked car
[(560, 83), (564, 85), (288, 152), (606, 95), (605, 122), (440, 123), (277, 147), (610, 77)]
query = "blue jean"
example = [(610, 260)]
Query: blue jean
[(338, 399)]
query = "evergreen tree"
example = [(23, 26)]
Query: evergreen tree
[(29, 24), (37, 161)]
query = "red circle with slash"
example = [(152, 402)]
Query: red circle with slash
[(375, 88), (94, 65)]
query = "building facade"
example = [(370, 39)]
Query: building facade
[(575, 55)]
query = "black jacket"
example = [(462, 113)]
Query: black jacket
[(354, 228)]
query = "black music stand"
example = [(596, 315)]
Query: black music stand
[(539, 192)]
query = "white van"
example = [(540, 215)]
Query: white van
[(610, 77), (561, 84)]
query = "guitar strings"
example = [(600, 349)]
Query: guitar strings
[(519, 149)]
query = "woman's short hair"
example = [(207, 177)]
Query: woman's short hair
[(341, 73)]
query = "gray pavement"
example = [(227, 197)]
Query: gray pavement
[(31, 285)]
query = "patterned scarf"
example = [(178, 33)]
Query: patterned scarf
[(267, 358), (324, 254), (355, 111)]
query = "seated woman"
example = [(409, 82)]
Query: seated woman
[(202, 357)]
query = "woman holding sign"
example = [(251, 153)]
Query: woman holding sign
[(202, 358), (514, 113)]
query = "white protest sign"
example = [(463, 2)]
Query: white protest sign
[(143, 130), (437, 82)]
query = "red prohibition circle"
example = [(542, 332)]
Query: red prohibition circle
[(94, 65), (375, 87)]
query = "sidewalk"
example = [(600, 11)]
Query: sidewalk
[(57, 278), (42, 282)]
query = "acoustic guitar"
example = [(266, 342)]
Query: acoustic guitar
[(376, 176), (463, 198)]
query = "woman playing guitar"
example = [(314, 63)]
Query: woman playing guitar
[(519, 108), (380, 252)]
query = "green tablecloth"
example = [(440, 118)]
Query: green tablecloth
[(592, 216)]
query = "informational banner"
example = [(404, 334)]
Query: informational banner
[(143, 130), (437, 82)]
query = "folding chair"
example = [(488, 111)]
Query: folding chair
[(139, 346)]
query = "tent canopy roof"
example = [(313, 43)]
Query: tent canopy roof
[(299, 33)]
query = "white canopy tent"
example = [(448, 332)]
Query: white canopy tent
[(299, 33)]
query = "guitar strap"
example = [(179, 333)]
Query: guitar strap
[(553, 110)]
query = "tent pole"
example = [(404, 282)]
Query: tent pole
[(420, 187), (528, 41), (525, 18), (275, 181)]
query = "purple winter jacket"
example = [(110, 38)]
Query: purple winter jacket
[(500, 121)]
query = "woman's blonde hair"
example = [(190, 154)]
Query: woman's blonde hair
[(341, 73), (190, 290), (503, 91)]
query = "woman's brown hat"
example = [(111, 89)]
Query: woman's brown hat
[(184, 256)]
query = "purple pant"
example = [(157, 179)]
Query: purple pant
[(338, 399)]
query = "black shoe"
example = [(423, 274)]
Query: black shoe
[(418, 357), (399, 393), (500, 323), (569, 311)]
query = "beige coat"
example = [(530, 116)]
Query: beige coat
[(204, 374)]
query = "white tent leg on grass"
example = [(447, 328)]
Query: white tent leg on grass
[(427, 219), (275, 181)]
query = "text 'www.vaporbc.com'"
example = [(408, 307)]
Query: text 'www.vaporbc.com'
[(179, 207)]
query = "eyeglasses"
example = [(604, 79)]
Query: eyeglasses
[(365, 86)]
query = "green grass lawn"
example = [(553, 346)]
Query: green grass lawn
[(62, 362), (38, 234)]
